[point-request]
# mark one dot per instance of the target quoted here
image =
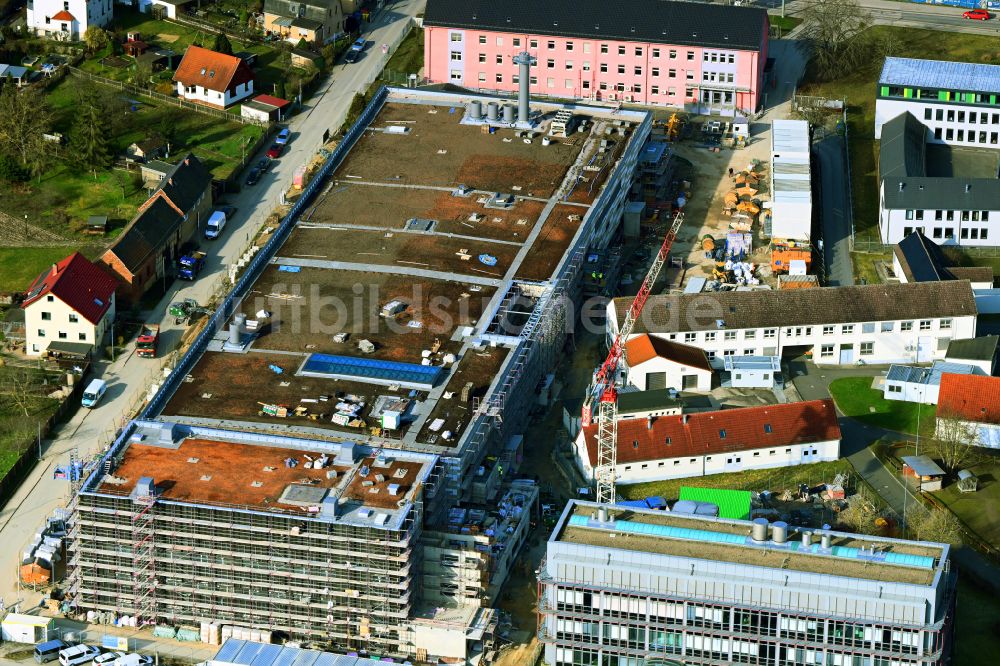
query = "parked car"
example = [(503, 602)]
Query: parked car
[(107, 658), (274, 152), (977, 15), (78, 654), (283, 136), (357, 48), (253, 176), (263, 164), (134, 659), (216, 223), (93, 393)]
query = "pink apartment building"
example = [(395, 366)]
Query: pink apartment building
[(704, 58)]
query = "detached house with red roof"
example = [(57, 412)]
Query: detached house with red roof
[(67, 20), (69, 308), (212, 78), (969, 406), (677, 446), (657, 363)]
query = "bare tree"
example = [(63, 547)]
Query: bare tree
[(20, 388), (956, 443), (861, 513), (834, 30), (935, 524), (25, 118)]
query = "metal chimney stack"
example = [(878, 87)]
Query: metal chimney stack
[(524, 61)]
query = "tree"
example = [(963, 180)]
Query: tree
[(141, 73), (835, 32), (20, 388), (25, 119), (860, 514), (96, 38), (88, 140), (956, 443), (279, 89), (935, 524), (221, 44)]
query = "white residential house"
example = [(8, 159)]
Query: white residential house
[(872, 324), (980, 352), (969, 405), (69, 308), (791, 200), (678, 446), (67, 20), (655, 363), (909, 383), (213, 79)]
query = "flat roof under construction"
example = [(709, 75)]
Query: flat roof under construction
[(413, 273), (665, 533), (265, 473)]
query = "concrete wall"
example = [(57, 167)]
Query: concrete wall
[(577, 68)]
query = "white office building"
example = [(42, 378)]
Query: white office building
[(872, 324), (637, 587), (958, 101)]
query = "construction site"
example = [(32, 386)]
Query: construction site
[(335, 458)]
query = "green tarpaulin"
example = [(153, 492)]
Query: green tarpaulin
[(732, 503)]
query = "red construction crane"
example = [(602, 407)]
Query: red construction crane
[(603, 389)]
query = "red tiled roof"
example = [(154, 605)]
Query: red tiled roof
[(211, 70), (745, 429), (644, 347), (969, 398), (64, 16), (79, 284), (272, 101)]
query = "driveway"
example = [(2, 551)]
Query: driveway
[(130, 377), (835, 209)]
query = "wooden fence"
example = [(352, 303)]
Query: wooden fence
[(167, 99)]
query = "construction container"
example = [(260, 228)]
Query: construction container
[(781, 259)]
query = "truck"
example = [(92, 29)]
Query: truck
[(145, 344), (190, 265)]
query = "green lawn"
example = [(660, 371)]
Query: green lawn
[(19, 266), (858, 88), (67, 194), (775, 480), (856, 398), (271, 65), (979, 510), (17, 430), (408, 58), (787, 23)]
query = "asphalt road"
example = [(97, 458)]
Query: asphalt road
[(906, 14), (835, 210), (130, 377)]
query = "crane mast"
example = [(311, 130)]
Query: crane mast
[(603, 391)]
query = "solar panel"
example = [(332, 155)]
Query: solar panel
[(372, 369)]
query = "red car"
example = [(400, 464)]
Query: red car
[(274, 152), (977, 15)]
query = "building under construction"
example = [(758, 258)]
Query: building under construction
[(455, 230), (310, 540)]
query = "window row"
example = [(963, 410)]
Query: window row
[(620, 49), (938, 95), (949, 215), (73, 317), (63, 335), (948, 233), (950, 134), (952, 116)]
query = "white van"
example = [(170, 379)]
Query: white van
[(216, 223), (134, 660), (93, 393), (78, 654)]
